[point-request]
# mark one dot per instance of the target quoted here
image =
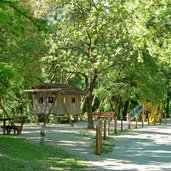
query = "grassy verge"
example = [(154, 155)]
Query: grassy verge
[(107, 145), (17, 154)]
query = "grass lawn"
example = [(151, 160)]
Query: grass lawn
[(18, 154)]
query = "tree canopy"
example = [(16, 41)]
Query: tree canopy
[(111, 49)]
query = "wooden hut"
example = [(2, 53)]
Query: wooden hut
[(56, 99)]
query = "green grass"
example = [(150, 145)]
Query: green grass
[(18, 154)]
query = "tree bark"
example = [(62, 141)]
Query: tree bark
[(90, 110), (90, 88), (117, 106), (125, 111)]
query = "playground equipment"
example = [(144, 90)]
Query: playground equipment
[(149, 110)]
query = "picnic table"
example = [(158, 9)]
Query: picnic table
[(15, 124), (4, 123)]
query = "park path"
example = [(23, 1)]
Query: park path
[(143, 149)]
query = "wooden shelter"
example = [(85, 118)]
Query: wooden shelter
[(56, 99)]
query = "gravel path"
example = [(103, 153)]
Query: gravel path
[(143, 149)]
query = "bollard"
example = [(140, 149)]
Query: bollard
[(136, 120), (104, 135), (115, 126), (108, 126), (148, 119), (155, 120), (142, 115), (129, 122), (121, 124), (99, 139)]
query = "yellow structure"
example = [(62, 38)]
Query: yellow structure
[(153, 109)]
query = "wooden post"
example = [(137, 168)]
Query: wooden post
[(165, 117), (115, 125), (148, 119), (121, 124), (155, 120), (50, 110), (142, 115), (108, 126), (99, 138), (129, 121), (100, 128), (160, 117), (98, 152), (66, 110), (136, 120), (31, 108), (104, 135)]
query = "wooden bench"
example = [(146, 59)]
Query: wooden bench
[(16, 125), (101, 115)]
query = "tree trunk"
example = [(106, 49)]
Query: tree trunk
[(117, 106), (90, 88), (90, 110), (125, 111)]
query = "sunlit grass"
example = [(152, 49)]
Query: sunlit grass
[(17, 154)]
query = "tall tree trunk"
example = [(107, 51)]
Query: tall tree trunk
[(90, 110), (125, 111), (117, 102), (90, 88)]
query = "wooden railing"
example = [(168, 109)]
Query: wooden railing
[(101, 115)]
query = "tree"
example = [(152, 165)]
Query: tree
[(7, 80), (152, 26), (89, 38), (22, 46), (21, 40)]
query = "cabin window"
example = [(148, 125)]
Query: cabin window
[(73, 99), (51, 99), (40, 99)]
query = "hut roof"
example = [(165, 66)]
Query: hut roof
[(63, 88)]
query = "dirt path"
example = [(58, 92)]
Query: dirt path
[(144, 149)]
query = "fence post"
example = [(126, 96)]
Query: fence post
[(99, 138), (160, 117), (155, 120), (104, 135), (115, 126), (148, 119), (136, 120), (121, 124), (108, 126), (129, 121), (142, 115)]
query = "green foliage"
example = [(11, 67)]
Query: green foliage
[(7, 76), (21, 39), (108, 48)]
